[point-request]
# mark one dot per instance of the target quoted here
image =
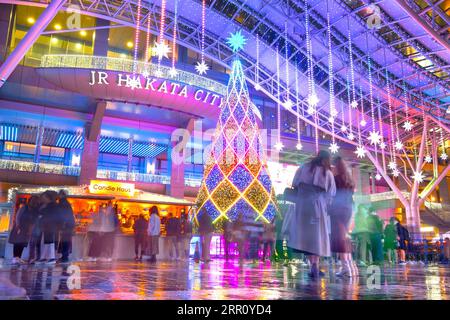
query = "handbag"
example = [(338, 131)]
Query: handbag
[(290, 194)]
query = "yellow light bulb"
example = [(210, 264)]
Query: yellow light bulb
[(130, 44), (83, 33), (58, 27), (31, 20)]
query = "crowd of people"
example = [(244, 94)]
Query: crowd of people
[(45, 226), (318, 225)]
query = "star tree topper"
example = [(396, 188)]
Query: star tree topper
[(236, 41)]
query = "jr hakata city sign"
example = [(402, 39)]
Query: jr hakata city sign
[(155, 85), (117, 86)]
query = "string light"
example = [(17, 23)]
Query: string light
[(287, 103), (161, 48), (201, 66), (353, 103), (333, 146), (278, 145), (257, 85), (299, 145), (136, 36), (173, 72), (147, 39)]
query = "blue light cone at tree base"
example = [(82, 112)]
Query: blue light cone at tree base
[(236, 179)]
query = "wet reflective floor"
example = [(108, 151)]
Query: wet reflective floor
[(220, 280)]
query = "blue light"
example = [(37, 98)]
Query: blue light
[(236, 41)]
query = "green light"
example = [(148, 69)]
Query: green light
[(236, 41)]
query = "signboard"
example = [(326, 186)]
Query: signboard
[(111, 188)]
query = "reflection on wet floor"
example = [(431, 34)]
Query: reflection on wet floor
[(223, 280)]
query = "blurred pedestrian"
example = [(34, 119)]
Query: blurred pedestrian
[(362, 236), (375, 226), (403, 241), (390, 241), (153, 231), (66, 226), (341, 212), (310, 228), (268, 240), (184, 239), (140, 236), (20, 236), (49, 225), (172, 234), (227, 237), (205, 229)]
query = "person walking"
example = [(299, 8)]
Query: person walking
[(94, 240), (309, 230), (205, 229), (184, 239), (403, 241), (375, 226), (140, 236), (49, 225), (153, 232), (21, 232), (341, 211), (390, 241), (66, 226), (361, 234), (268, 240), (172, 234), (108, 229)]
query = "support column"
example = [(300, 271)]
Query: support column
[(90, 153), (175, 168), (6, 24), (38, 146), (30, 38), (101, 43)]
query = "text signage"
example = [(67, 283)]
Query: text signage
[(111, 188)]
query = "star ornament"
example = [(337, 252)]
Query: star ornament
[(444, 156), (311, 110), (360, 152), (363, 123), (398, 145), (145, 74), (392, 165), (161, 50), (354, 104), (428, 159), (383, 145), (313, 100), (407, 125), (288, 104), (134, 83), (344, 128), (333, 147), (395, 172), (201, 67), (374, 137), (378, 177), (299, 146), (236, 41), (351, 136), (418, 176), (173, 72), (279, 146)]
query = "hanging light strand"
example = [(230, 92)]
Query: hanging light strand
[(147, 39), (136, 36), (278, 96), (174, 43), (257, 61), (352, 70), (286, 52), (333, 111), (203, 30)]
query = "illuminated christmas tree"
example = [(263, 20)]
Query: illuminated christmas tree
[(236, 179)]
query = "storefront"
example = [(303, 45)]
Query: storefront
[(128, 203)]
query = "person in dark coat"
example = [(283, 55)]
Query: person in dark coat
[(205, 229), (140, 236), (184, 239), (66, 226), (23, 226), (403, 241), (172, 233), (390, 240), (49, 225)]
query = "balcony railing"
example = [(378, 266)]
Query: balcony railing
[(129, 66), (38, 167), (191, 181)]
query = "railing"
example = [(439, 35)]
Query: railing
[(191, 181), (132, 176), (441, 210), (130, 66), (38, 167)]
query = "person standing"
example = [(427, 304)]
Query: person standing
[(172, 234), (94, 240), (361, 234), (49, 225), (309, 230), (185, 236), (21, 232), (390, 241), (153, 231), (341, 211), (375, 226), (108, 228), (403, 241), (227, 237), (205, 229), (140, 236), (66, 226)]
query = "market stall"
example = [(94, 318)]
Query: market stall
[(128, 204)]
